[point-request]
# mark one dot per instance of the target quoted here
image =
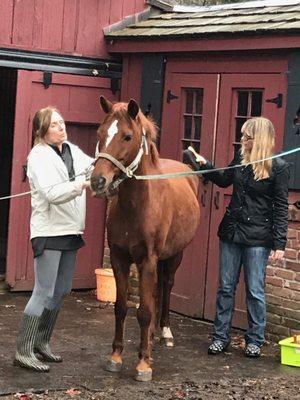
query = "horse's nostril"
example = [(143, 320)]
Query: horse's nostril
[(98, 183), (101, 182)]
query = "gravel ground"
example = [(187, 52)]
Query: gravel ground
[(84, 335)]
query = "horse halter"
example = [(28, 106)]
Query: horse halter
[(128, 171)]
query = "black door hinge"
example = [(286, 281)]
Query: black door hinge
[(276, 100), (114, 85), (171, 96), (47, 79)]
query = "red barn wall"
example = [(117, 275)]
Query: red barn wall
[(131, 77), (62, 26)]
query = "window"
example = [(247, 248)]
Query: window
[(192, 118), (249, 104)]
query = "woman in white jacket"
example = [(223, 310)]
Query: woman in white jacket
[(57, 222)]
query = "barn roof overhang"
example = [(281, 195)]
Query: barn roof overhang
[(206, 43), (267, 24)]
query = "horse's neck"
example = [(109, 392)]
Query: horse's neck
[(136, 193)]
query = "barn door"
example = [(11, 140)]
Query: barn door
[(188, 119), (77, 99), (241, 97), (207, 111)]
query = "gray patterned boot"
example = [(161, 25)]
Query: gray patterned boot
[(46, 326), (25, 356)]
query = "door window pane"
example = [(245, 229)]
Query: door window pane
[(192, 118), (249, 104), (199, 101), (197, 124), (242, 108), (256, 103), (187, 127), (239, 124), (189, 101)]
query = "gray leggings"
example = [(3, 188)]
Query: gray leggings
[(53, 280)]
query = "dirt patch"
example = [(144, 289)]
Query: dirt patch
[(240, 389), (84, 335)]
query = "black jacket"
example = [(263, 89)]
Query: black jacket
[(258, 211)]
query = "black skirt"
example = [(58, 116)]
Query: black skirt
[(65, 242)]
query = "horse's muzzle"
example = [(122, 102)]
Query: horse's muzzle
[(98, 183)]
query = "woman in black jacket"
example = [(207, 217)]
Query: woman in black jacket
[(253, 228)]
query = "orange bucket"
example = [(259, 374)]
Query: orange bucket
[(106, 284)]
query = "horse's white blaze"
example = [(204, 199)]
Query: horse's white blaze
[(112, 131), (166, 333), (97, 152)]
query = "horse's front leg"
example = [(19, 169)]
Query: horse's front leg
[(146, 316), (121, 264)]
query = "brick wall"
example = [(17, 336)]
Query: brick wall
[(283, 286)]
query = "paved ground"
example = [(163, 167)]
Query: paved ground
[(84, 335)]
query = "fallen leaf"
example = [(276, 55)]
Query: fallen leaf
[(180, 394), (23, 397), (73, 392)]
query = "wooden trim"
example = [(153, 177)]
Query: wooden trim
[(287, 41)]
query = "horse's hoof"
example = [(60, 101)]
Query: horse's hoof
[(113, 366), (144, 375), (168, 342)]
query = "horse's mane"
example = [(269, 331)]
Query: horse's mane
[(119, 111)]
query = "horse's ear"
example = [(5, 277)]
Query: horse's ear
[(133, 109), (105, 104)]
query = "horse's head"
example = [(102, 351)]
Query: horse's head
[(124, 136)]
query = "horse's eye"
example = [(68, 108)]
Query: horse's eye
[(127, 137)]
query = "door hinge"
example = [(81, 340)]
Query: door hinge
[(47, 79), (171, 96), (276, 100), (114, 85)]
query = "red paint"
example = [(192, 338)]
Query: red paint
[(188, 294), (131, 77), (272, 84), (168, 45), (198, 275), (78, 99), (62, 26)]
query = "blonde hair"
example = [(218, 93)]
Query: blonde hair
[(262, 132), (41, 122)]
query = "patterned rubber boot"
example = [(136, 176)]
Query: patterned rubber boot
[(25, 356), (46, 326)]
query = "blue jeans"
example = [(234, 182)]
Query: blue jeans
[(254, 261)]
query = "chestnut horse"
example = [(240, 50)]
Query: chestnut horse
[(149, 223)]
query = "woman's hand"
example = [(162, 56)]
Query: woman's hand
[(277, 255), (199, 159), (86, 184)]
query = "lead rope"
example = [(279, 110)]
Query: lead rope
[(207, 171), (162, 176)]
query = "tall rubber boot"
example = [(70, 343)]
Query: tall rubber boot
[(46, 326), (25, 356)]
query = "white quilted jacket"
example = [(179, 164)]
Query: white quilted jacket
[(60, 209)]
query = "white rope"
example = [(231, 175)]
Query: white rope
[(161, 176)]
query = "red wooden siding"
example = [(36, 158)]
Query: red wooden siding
[(62, 26), (131, 77)]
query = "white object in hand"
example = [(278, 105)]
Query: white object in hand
[(201, 160)]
